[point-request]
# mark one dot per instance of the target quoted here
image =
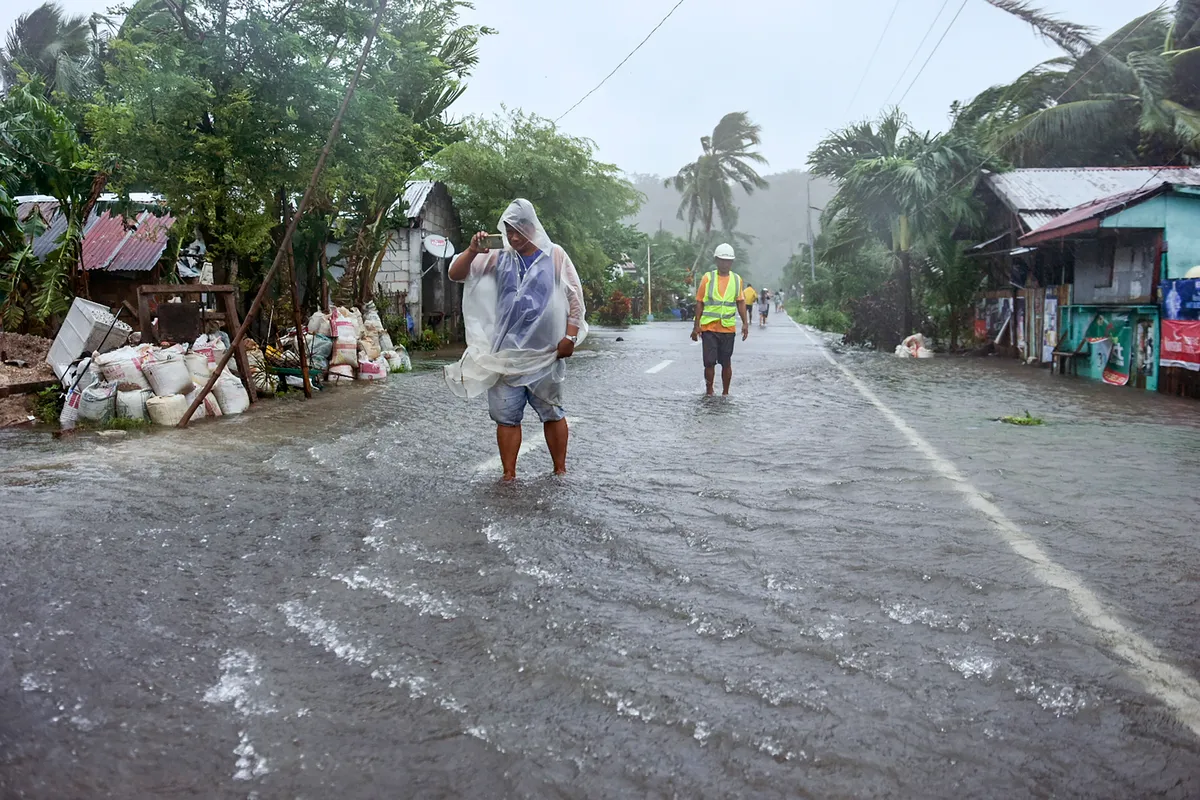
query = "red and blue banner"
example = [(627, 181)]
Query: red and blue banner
[(1180, 342)]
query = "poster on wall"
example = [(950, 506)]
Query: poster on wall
[(1021, 326), (1116, 371), (1180, 344), (1050, 329), (1101, 347), (1181, 299), (1146, 353)]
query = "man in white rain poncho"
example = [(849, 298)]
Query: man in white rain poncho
[(524, 314)]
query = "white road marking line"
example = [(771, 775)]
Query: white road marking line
[(528, 442), (660, 367), (1170, 684)]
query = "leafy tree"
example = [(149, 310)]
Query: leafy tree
[(56, 49), (223, 107), (579, 200), (895, 186), (706, 184), (40, 151)]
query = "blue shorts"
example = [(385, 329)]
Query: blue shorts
[(506, 404)]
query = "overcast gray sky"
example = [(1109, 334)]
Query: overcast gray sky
[(793, 64)]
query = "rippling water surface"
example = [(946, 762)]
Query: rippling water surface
[(770, 595)]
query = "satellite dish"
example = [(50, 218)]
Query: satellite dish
[(439, 246), (1194, 272)]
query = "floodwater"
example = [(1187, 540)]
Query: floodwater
[(772, 595)]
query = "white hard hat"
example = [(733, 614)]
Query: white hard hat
[(724, 251)]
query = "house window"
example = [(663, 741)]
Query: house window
[(1108, 264)]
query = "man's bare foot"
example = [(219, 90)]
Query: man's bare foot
[(509, 478), (562, 471)]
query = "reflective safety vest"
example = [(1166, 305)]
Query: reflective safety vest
[(722, 309)]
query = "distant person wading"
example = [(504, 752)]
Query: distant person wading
[(720, 300)]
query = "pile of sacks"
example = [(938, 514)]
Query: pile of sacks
[(348, 344), (159, 384)]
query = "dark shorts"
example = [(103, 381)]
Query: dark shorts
[(718, 348)]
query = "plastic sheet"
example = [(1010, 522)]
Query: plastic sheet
[(513, 323)]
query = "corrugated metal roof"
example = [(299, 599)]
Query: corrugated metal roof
[(118, 245), (107, 242), (1087, 216), (1039, 195), (415, 195)]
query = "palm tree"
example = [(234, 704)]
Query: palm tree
[(706, 184), (895, 185), (1132, 98), (49, 46)]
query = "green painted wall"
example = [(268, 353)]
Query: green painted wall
[(1179, 214), (1120, 322)]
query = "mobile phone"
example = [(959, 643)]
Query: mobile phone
[(493, 241)]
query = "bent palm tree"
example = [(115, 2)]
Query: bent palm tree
[(52, 47), (706, 184), (895, 185), (1132, 98)]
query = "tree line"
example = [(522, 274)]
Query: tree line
[(889, 258)]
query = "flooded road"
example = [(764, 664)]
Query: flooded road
[(806, 590)]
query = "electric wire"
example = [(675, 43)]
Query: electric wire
[(661, 22), (931, 52), (917, 52), (871, 60)]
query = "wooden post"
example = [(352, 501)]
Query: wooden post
[(239, 347), (298, 318), (291, 229)]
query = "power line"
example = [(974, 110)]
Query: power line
[(974, 171), (874, 53), (631, 53), (929, 30), (931, 52)]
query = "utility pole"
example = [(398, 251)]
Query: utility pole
[(812, 257), (649, 304)]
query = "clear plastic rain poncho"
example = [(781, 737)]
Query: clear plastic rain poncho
[(516, 315)]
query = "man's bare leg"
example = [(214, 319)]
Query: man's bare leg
[(710, 374), (508, 438), (557, 434), (726, 377)]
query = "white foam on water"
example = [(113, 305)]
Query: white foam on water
[(249, 763), (412, 596), (32, 683), (907, 614), (322, 633), (239, 677)]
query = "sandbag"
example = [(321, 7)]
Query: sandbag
[(371, 321), (124, 365), (345, 354), (320, 349), (198, 365), (168, 410), (368, 347), (210, 406), (376, 370), (319, 324), (231, 397), (167, 373), (97, 402), (385, 342), (131, 403), (340, 373)]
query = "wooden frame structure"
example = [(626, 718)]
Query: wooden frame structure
[(227, 295)]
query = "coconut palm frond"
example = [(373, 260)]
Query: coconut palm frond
[(1070, 36)]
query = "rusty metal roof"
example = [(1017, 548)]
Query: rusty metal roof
[(1087, 217), (1039, 195), (109, 242)]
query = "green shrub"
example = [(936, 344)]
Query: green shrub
[(825, 317), (48, 404)]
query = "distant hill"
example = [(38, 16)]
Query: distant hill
[(774, 216)]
